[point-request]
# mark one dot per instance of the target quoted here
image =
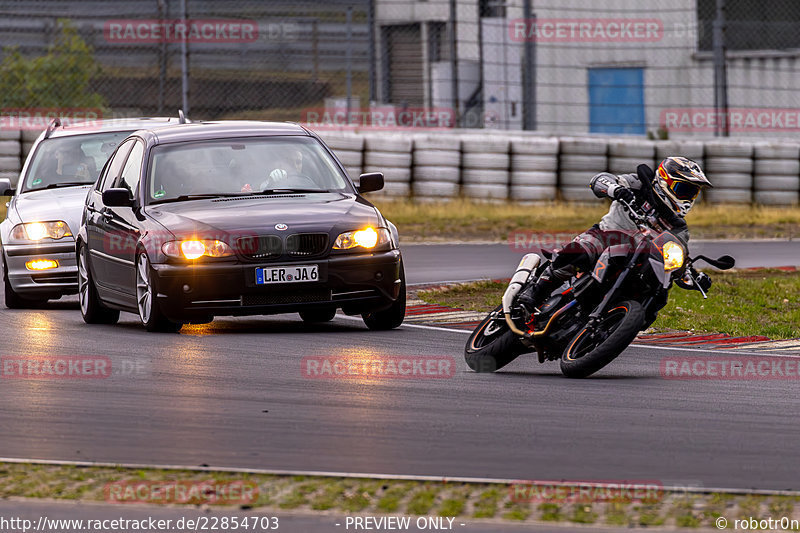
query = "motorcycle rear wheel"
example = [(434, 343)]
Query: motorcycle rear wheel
[(589, 352), (492, 345)]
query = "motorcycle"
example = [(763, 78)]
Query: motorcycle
[(587, 322)]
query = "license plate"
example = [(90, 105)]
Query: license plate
[(287, 274)]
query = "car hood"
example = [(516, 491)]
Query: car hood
[(53, 204), (331, 213)]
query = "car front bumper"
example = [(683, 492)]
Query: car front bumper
[(51, 283), (355, 283)]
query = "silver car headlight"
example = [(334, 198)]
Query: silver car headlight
[(38, 231)]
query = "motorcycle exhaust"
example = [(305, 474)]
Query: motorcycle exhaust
[(526, 266)]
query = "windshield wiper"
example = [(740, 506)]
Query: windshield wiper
[(282, 190), (184, 197), (68, 184)]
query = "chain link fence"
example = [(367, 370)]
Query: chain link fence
[(555, 66)]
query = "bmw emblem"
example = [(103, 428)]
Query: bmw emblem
[(281, 227)]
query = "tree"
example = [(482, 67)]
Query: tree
[(58, 79)]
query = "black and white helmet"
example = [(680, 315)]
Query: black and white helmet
[(677, 183)]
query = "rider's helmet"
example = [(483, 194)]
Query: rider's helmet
[(677, 183)]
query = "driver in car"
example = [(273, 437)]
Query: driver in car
[(671, 190)]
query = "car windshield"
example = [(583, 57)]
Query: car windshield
[(73, 160), (242, 166)]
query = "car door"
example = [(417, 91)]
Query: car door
[(123, 223), (100, 241)]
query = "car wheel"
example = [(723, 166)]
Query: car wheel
[(393, 316), (318, 315), (92, 310), (149, 311)]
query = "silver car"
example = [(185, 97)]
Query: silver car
[(44, 213)]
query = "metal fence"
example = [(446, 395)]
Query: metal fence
[(662, 68)]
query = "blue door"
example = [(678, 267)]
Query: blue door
[(616, 100)]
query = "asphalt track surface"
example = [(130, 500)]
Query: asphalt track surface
[(431, 263), (232, 394)]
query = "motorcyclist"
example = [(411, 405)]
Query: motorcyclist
[(671, 190)]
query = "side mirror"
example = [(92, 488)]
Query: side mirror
[(117, 198), (372, 181), (725, 262), (5, 188)]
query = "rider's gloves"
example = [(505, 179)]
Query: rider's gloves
[(624, 194)]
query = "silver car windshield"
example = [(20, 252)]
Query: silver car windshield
[(77, 159), (242, 166)]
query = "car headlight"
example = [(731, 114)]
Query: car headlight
[(367, 238), (673, 255), (37, 231), (196, 248)]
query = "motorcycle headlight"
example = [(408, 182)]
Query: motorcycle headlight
[(368, 239), (673, 255), (196, 248), (37, 231)]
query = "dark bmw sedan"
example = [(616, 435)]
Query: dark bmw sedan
[(190, 222)]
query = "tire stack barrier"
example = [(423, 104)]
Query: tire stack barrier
[(485, 162), (624, 156), (580, 160), (534, 169), (693, 150), (729, 166), (10, 155), (28, 137), (349, 148), (390, 154), (436, 171), (776, 175)]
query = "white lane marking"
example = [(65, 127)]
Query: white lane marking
[(399, 477), (635, 345)]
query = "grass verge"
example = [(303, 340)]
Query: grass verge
[(375, 496), (741, 303), (468, 220)]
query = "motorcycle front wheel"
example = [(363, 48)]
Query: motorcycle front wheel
[(592, 349), (492, 345)]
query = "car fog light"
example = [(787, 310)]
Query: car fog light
[(41, 264)]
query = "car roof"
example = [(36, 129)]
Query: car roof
[(111, 125), (203, 131)]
